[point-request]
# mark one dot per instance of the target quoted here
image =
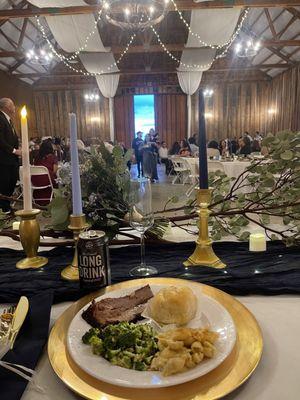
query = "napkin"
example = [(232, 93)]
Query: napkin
[(28, 346)]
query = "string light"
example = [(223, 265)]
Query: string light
[(86, 73), (188, 66), (203, 43), (105, 5), (86, 40), (207, 65)]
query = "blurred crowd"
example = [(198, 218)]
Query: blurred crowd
[(149, 151)]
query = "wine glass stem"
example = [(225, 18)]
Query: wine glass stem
[(143, 264)]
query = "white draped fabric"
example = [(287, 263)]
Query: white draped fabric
[(107, 82), (99, 62), (70, 32), (195, 57), (190, 78), (189, 83), (213, 26)]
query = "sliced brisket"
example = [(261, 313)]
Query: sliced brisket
[(114, 310)]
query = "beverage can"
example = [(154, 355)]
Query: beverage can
[(93, 260)]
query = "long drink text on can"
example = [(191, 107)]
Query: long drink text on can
[(93, 260)]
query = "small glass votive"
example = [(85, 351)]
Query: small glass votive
[(257, 242)]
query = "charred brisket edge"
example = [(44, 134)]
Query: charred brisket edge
[(87, 314)]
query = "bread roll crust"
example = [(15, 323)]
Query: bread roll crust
[(173, 305)]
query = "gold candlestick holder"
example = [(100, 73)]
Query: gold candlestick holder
[(30, 238), (204, 254), (77, 224)]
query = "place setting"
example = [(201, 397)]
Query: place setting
[(149, 200)]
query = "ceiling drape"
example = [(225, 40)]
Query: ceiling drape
[(70, 32), (214, 27)]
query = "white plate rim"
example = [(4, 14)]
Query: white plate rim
[(172, 380)]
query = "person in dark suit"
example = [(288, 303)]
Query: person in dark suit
[(9, 152)]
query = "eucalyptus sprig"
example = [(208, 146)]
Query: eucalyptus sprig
[(269, 187)]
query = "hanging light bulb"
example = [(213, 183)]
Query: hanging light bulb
[(247, 49), (208, 92), (91, 97), (38, 55), (136, 15)]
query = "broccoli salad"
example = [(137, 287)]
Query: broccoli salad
[(125, 344)]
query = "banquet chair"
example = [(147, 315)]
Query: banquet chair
[(193, 176), (38, 171), (181, 170), (213, 166)]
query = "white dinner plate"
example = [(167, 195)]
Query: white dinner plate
[(210, 314)]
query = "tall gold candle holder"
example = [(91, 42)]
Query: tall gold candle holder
[(77, 224), (204, 254), (30, 238)]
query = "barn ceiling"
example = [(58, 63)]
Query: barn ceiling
[(278, 28)]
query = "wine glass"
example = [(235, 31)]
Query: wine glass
[(141, 218)]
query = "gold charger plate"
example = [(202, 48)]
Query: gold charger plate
[(228, 376)]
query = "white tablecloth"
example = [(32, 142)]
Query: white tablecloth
[(231, 168), (276, 377)]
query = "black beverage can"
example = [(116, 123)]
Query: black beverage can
[(93, 260)]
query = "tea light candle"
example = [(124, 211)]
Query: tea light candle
[(16, 225), (257, 242)]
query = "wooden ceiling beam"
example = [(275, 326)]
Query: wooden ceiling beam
[(273, 50), (291, 21), (22, 33), (270, 22), (293, 11), (153, 72), (140, 49), (22, 4), (181, 4), (9, 40)]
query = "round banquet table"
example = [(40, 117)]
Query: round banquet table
[(231, 168), (234, 168), (276, 377)]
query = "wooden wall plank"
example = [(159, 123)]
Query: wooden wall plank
[(235, 107)]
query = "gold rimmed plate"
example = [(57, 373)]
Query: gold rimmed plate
[(237, 367)]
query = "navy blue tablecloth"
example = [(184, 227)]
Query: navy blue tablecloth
[(276, 271)]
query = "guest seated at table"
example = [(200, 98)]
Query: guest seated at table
[(175, 149), (213, 149), (185, 150), (163, 155), (248, 136), (234, 145), (223, 148), (258, 136), (244, 146), (58, 151), (255, 146), (34, 151), (193, 146), (46, 158)]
